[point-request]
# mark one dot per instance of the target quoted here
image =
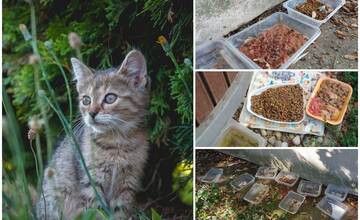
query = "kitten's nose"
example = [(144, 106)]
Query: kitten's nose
[(93, 114)]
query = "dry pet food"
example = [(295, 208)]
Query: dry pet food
[(315, 9), (273, 47), (287, 178), (285, 103)]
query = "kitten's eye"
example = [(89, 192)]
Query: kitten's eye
[(86, 100), (110, 98)]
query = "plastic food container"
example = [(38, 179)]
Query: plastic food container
[(291, 8), (213, 175), (255, 30), (236, 134), (343, 109), (309, 188), (261, 90), (257, 193), (242, 181), (336, 192), (292, 202), (268, 173), (218, 54), (332, 208), (287, 178)]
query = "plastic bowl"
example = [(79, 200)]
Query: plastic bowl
[(311, 32), (291, 8)]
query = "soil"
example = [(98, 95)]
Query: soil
[(273, 47), (284, 103), (315, 9), (335, 48)]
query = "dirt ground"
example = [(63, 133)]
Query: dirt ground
[(331, 50), (220, 201)]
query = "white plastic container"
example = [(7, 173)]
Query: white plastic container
[(287, 178), (242, 181), (332, 208), (336, 192), (261, 90), (309, 188), (257, 193), (292, 202), (218, 54), (311, 32), (235, 131), (212, 176), (291, 8), (267, 173)]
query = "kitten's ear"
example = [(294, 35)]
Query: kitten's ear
[(81, 71), (134, 69)]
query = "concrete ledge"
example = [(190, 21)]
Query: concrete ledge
[(215, 18)]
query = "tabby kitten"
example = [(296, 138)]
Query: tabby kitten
[(113, 141)]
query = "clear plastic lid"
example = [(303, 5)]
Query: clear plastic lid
[(292, 202), (266, 172), (332, 208), (287, 178), (309, 188), (336, 192), (257, 193), (242, 181), (212, 176)]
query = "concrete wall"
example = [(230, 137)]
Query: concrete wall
[(325, 166), (215, 18)]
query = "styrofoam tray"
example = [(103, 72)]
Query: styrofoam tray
[(261, 90), (309, 188), (257, 193), (293, 176), (212, 176), (291, 8), (271, 172), (311, 32), (332, 208), (336, 192), (242, 181), (285, 204), (209, 53)]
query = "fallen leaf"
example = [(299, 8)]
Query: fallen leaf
[(351, 56), (340, 34)]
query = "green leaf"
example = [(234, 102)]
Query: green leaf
[(155, 215)]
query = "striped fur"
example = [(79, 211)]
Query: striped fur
[(114, 143)]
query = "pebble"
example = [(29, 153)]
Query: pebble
[(272, 140), (263, 132), (278, 135), (278, 143), (296, 140), (284, 144)]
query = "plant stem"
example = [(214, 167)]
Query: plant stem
[(39, 158), (66, 83), (17, 148), (56, 107), (43, 113)]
